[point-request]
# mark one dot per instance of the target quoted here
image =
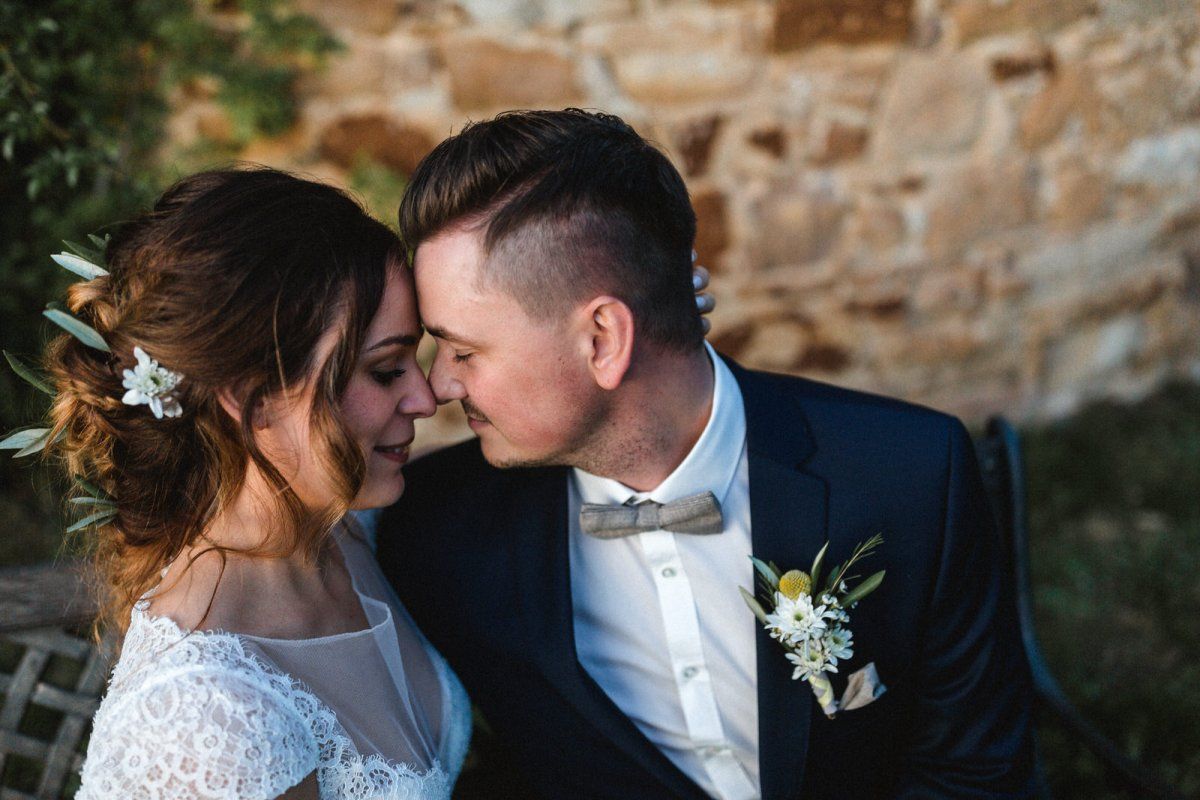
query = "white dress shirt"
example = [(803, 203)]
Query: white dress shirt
[(659, 623)]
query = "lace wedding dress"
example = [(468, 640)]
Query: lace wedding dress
[(376, 713)]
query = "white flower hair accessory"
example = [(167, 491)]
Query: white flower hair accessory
[(152, 385)]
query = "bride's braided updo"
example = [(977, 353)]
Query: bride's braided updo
[(230, 280)]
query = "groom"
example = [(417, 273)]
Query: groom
[(617, 660)]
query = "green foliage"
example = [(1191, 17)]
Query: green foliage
[(84, 99), (379, 188)]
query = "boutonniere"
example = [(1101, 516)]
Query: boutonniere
[(813, 624)]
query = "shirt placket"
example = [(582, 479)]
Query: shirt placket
[(693, 681)]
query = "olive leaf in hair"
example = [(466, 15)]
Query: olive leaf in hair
[(77, 328), (82, 267), (29, 374), (28, 441)]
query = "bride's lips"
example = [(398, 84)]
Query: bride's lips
[(394, 452)]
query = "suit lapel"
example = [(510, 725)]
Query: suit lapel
[(788, 526), (544, 594)]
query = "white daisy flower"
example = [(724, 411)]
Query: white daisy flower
[(834, 611), (152, 385), (838, 643), (794, 621), (809, 660)]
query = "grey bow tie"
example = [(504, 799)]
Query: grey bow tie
[(698, 513)]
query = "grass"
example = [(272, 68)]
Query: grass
[(1115, 523), (1115, 526)]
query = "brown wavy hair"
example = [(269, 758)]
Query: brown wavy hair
[(230, 279)]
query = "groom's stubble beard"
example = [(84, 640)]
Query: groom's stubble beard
[(585, 444)]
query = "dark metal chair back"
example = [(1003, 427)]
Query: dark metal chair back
[(1004, 478)]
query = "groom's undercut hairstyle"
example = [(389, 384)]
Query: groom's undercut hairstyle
[(572, 204)]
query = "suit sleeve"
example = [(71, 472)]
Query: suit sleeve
[(972, 734)]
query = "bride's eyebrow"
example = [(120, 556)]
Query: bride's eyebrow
[(406, 339)]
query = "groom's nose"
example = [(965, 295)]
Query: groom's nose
[(446, 387)]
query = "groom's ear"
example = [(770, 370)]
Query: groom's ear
[(609, 322)]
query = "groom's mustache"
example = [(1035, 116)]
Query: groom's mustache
[(471, 411)]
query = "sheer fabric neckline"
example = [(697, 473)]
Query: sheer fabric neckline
[(142, 607)]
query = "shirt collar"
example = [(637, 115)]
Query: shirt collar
[(710, 465)]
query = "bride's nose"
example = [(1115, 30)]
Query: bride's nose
[(418, 401)]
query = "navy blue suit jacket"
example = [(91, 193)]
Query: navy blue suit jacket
[(479, 556)]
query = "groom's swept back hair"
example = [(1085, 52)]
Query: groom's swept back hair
[(572, 204)]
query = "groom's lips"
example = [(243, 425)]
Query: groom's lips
[(475, 420)]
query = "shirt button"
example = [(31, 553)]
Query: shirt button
[(691, 672), (668, 572)]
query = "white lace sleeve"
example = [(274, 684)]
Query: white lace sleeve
[(199, 732)]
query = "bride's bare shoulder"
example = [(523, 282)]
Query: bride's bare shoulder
[(203, 590)]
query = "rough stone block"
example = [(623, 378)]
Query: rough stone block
[(685, 76), (975, 19), (796, 228), (800, 24), (375, 136), (1070, 94), (933, 106), (486, 74), (975, 201), (368, 16)]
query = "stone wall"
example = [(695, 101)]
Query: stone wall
[(982, 205)]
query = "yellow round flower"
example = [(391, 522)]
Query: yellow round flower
[(794, 583)]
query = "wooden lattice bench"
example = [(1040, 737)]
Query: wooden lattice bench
[(51, 679)]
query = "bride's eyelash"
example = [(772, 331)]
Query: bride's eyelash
[(385, 377), (460, 358)]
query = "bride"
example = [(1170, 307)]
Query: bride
[(257, 379)]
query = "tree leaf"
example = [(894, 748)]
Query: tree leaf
[(28, 374), (80, 330), (81, 267), (863, 589), (101, 242), (98, 518)]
